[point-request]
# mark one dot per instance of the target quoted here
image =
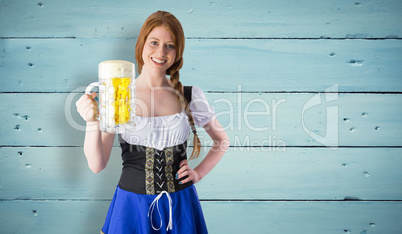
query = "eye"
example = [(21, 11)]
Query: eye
[(171, 46), (155, 43)]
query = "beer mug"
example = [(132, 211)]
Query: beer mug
[(116, 95)]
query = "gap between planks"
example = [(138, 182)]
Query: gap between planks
[(227, 38), (257, 92), (190, 146), (214, 200)]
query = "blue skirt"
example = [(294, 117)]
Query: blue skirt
[(131, 213)]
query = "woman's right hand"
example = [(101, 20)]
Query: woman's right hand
[(88, 107)]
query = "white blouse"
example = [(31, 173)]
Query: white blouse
[(165, 131)]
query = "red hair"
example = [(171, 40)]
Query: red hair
[(172, 24)]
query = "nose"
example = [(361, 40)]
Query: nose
[(161, 50)]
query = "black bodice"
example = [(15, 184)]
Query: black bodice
[(150, 171)]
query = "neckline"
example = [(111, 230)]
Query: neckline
[(161, 116)]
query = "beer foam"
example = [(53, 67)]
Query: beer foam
[(116, 69)]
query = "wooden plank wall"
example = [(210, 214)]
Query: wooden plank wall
[(310, 93)]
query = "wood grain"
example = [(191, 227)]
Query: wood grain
[(287, 80), (218, 19), (64, 65), (244, 173), (221, 217), (51, 119)]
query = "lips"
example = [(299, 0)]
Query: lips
[(158, 61)]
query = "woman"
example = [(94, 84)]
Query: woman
[(155, 193)]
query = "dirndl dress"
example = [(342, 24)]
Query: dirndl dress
[(148, 197), (134, 213)]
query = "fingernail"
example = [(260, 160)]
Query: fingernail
[(180, 182), (96, 99)]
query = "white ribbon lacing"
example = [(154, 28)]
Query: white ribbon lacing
[(152, 207)]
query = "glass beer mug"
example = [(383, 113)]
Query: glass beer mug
[(116, 95)]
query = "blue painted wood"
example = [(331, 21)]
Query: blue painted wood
[(284, 217), (250, 119), (218, 18), (304, 217), (244, 173), (63, 65), (264, 46)]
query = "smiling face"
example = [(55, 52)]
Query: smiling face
[(165, 21), (159, 51)]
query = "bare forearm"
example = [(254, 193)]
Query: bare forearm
[(212, 158), (94, 148)]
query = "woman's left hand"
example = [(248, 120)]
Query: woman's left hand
[(186, 170)]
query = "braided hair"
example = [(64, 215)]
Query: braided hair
[(172, 24)]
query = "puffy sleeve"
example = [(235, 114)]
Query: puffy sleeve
[(200, 108)]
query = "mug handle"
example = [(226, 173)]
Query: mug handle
[(91, 86), (88, 91)]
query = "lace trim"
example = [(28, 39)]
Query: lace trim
[(169, 169), (149, 172)]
